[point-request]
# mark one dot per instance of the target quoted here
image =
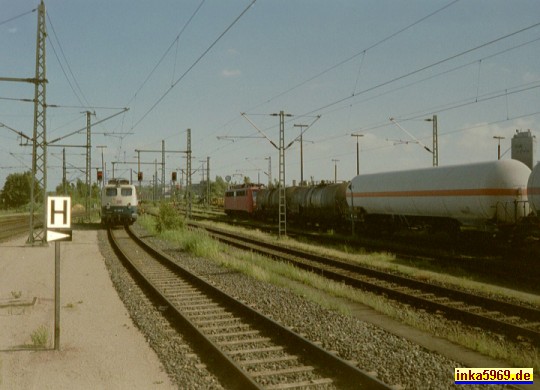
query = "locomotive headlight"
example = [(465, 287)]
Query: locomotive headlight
[(108, 206)]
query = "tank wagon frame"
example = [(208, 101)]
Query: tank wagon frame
[(487, 196), (321, 205)]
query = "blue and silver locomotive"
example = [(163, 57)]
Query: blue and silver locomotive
[(118, 203)]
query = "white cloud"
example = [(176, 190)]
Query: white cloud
[(530, 77), (231, 73)]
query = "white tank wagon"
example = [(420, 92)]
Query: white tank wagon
[(533, 189), (478, 194), (118, 203)]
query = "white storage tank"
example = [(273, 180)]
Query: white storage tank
[(533, 189), (471, 194)]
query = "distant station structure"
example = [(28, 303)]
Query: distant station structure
[(524, 147)]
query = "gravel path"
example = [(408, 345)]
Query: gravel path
[(392, 359)]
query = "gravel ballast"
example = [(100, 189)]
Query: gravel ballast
[(392, 359)]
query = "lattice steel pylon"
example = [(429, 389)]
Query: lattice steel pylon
[(162, 187), (282, 226), (282, 197), (88, 164), (188, 176), (39, 148)]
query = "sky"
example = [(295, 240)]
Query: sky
[(340, 67)]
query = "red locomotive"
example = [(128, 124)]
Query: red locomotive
[(242, 199)]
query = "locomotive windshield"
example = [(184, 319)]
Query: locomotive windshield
[(126, 191), (110, 191)]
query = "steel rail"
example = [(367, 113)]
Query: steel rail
[(344, 374), (13, 225), (469, 308)]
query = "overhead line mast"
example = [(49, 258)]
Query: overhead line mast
[(39, 148)]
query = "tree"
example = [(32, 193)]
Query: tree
[(78, 191), (16, 191)]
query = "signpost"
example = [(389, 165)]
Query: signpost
[(58, 229)]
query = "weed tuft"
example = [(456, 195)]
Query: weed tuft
[(40, 337)]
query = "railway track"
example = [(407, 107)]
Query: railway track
[(13, 225), (501, 317), (253, 350)]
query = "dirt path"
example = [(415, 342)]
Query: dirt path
[(99, 346)]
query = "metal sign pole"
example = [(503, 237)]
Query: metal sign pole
[(57, 295), (58, 228)]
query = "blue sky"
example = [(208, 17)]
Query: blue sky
[(354, 63)]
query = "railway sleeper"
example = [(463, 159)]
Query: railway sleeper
[(215, 316), (235, 334), (283, 371), (258, 350), (304, 384), (269, 360), (192, 302), (203, 310), (443, 300), (531, 325), (223, 327), (200, 306), (493, 314), (244, 341), (217, 321)]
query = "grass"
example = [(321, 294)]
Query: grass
[(324, 292), (388, 262), (40, 337), (16, 294)]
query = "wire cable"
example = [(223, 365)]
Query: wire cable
[(18, 16), (419, 70), (343, 62), (194, 64), (68, 67), (176, 40), (374, 45)]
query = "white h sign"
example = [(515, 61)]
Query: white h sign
[(58, 212)]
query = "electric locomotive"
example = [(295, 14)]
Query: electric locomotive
[(242, 199), (118, 203)]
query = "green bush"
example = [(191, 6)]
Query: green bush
[(168, 218)]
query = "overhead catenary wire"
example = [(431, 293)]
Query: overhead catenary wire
[(67, 65), (160, 99), (419, 70), (176, 40), (345, 61), (454, 106), (72, 81), (439, 109), (17, 17), (459, 67), (362, 52)]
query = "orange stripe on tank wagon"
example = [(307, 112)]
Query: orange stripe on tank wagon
[(458, 192)]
